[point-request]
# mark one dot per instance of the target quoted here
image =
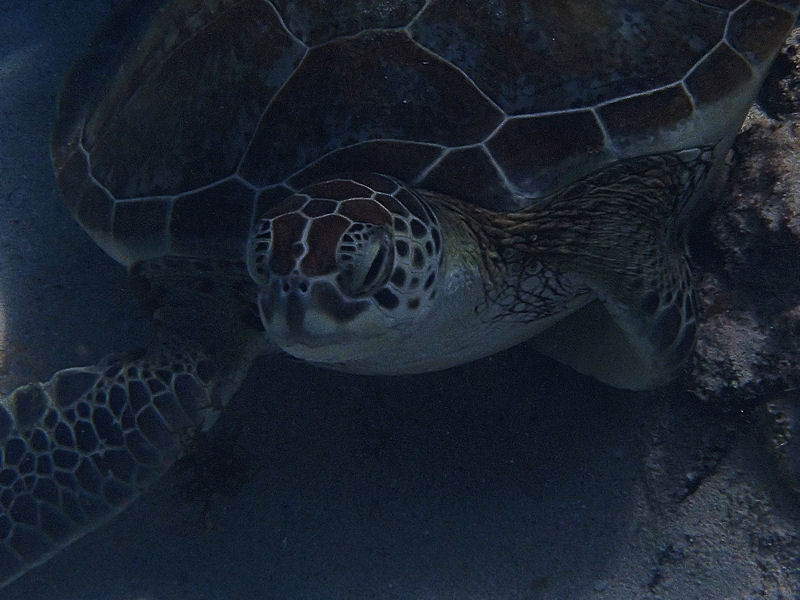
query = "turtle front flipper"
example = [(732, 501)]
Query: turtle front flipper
[(78, 449)]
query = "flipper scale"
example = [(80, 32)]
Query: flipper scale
[(79, 448)]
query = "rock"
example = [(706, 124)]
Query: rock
[(779, 417), (780, 94), (748, 253)]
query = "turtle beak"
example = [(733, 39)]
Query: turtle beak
[(295, 312), (283, 310)]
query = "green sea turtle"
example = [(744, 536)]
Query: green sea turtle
[(378, 187)]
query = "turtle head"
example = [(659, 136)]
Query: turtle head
[(345, 268)]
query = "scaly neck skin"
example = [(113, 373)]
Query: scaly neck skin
[(520, 283), (617, 235), (487, 299), (617, 230)]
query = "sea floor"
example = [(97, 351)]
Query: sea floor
[(509, 478)]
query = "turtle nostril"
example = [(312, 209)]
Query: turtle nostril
[(294, 284)]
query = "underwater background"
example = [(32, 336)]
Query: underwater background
[(509, 478)]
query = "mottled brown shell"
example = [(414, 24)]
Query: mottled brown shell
[(174, 139)]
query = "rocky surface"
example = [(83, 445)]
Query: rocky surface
[(748, 250), (749, 285)]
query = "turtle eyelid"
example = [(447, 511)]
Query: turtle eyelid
[(375, 268)]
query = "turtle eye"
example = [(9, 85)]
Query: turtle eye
[(365, 257)]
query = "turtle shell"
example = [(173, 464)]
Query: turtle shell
[(173, 139)]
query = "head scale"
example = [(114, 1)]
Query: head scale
[(344, 266)]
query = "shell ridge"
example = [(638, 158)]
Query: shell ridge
[(269, 105), (458, 70), (414, 19), (285, 25), (310, 165)]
